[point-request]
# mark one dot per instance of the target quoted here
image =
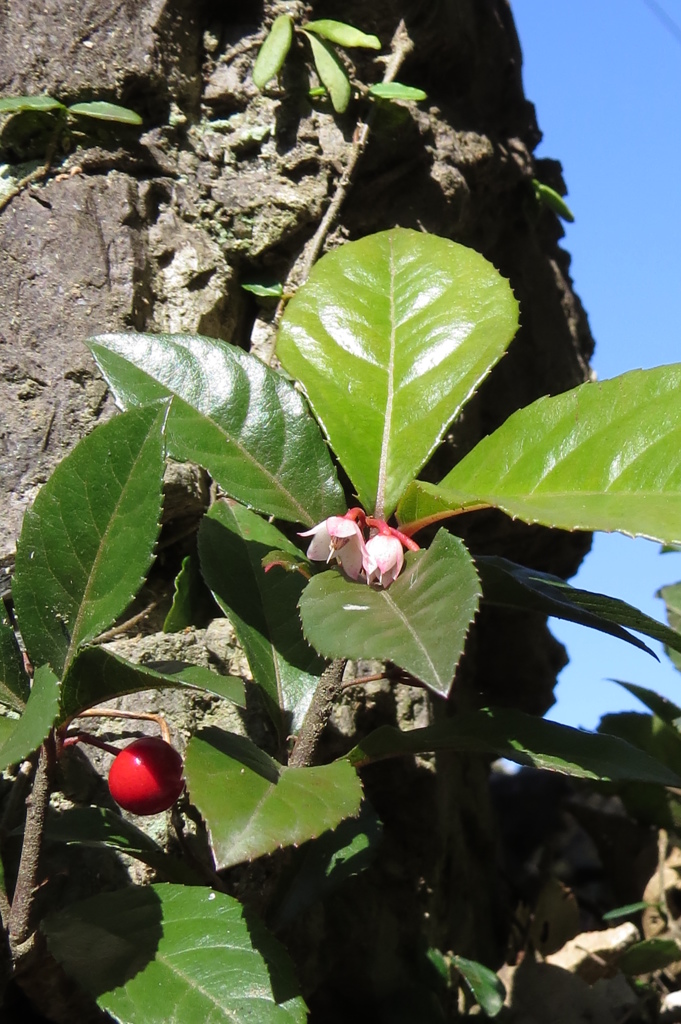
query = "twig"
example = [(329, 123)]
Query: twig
[(127, 625), (400, 46), (27, 877), (143, 716), (39, 172), (325, 696)]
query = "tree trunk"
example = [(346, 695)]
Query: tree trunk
[(226, 185)]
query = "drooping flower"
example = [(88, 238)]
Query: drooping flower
[(340, 538), (384, 559)]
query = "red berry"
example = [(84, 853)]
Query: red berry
[(146, 777)]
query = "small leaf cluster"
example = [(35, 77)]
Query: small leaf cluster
[(381, 349), (100, 110), (322, 37)]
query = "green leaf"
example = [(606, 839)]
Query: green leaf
[(331, 73), (273, 51), (263, 607), (151, 954), (327, 862), (105, 112), (14, 683), (514, 586), (342, 34), (98, 674), (522, 738), (243, 422), (396, 91), (604, 456), (390, 336), (87, 542), (273, 291), (649, 955), (15, 104), (252, 805), (40, 715), (631, 908), (192, 602), (487, 988), (648, 733), (549, 197), (671, 595), (419, 623), (662, 707), (100, 827)]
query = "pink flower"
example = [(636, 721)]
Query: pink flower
[(384, 559), (339, 538)]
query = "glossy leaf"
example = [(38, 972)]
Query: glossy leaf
[(420, 622), (273, 51), (660, 706), (671, 596), (331, 73), (243, 422), (192, 602), (252, 805), (342, 34), (487, 988), (40, 715), (512, 585), (390, 336), (100, 827), (604, 456), (262, 606), (549, 197), (396, 91), (152, 954), (97, 675), (522, 738), (15, 104), (87, 542), (102, 111), (265, 291), (14, 683)]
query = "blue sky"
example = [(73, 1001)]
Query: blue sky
[(605, 79)]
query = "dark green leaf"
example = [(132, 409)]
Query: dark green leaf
[(40, 715), (87, 542), (14, 683), (105, 112), (263, 607), (648, 733), (671, 596), (273, 51), (396, 91), (192, 604), (420, 622), (631, 908), (331, 73), (152, 954), (660, 706), (604, 456), (505, 583), (649, 955), (486, 987), (390, 336), (328, 861), (524, 739), (98, 826), (14, 104), (549, 197), (342, 34), (273, 291), (252, 805), (232, 414), (98, 674)]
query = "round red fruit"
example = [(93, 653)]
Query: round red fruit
[(146, 777)]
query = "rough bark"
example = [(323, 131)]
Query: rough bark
[(226, 183)]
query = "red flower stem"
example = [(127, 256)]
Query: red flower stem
[(92, 741)]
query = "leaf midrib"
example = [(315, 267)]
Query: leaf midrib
[(390, 397), (412, 632)]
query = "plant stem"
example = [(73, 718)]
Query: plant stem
[(27, 877), (325, 696)]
